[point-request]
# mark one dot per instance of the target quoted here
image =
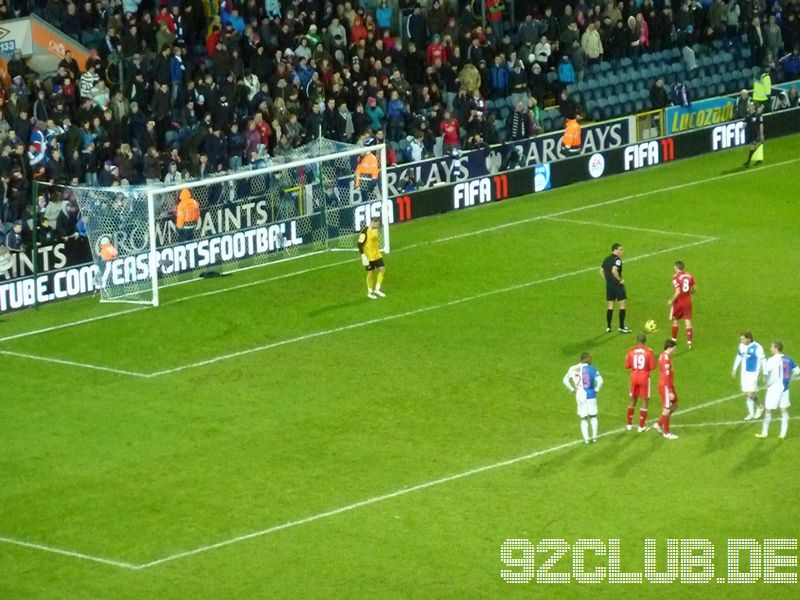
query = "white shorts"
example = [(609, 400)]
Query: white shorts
[(776, 398), (749, 381), (587, 407)]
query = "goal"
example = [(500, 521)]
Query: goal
[(305, 203)]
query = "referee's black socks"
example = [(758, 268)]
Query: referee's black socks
[(622, 318), (609, 314)]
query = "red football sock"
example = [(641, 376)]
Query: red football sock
[(689, 334), (642, 417), (674, 332), (665, 426), (630, 415)]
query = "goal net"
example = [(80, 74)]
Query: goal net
[(313, 200)]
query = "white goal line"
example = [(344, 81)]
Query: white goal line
[(352, 326), (362, 503), (482, 231)]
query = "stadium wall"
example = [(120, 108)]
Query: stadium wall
[(66, 270)]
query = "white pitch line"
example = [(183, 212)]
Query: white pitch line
[(636, 196), (72, 363), (409, 247), (80, 555), (629, 228), (174, 301), (401, 492), (358, 325), (337, 511), (410, 313)]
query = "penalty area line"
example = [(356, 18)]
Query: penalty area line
[(72, 363), (630, 228), (403, 491), (336, 511), (410, 313), (70, 553), (352, 326)]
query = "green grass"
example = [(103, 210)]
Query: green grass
[(460, 367)]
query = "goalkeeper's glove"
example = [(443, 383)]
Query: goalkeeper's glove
[(364, 260)]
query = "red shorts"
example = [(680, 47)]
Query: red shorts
[(681, 310), (640, 388), (669, 399)]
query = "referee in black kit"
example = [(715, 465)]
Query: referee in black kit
[(615, 287), (754, 132)]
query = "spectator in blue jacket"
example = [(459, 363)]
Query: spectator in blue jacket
[(566, 72), (791, 64), (396, 113), (176, 72), (304, 73), (498, 75)]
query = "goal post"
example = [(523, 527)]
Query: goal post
[(305, 203)]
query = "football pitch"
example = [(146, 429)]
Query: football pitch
[(277, 434)]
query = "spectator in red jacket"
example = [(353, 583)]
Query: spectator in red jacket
[(436, 50), (449, 129), (358, 32)]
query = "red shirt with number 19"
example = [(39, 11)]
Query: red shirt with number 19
[(683, 282), (640, 360)]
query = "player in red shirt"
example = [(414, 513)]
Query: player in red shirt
[(666, 387), (640, 360), (681, 302)]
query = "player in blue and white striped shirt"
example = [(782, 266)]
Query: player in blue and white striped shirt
[(752, 359), (585, 381), (780, 370)]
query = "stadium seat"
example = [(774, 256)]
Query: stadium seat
[(718, 45), (628, 107), (504, 112), (602, 103), (626, 63), (639, 106), (606, 113)]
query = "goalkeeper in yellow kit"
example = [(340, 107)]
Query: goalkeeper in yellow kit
[(371, 257)]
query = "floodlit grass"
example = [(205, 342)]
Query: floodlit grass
[(333, 401)]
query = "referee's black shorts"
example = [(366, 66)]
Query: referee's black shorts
[(615, 291)]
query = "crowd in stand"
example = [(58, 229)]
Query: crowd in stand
[(207, 87)]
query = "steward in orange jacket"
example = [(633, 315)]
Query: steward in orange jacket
[(572, 136), (187, 215)]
